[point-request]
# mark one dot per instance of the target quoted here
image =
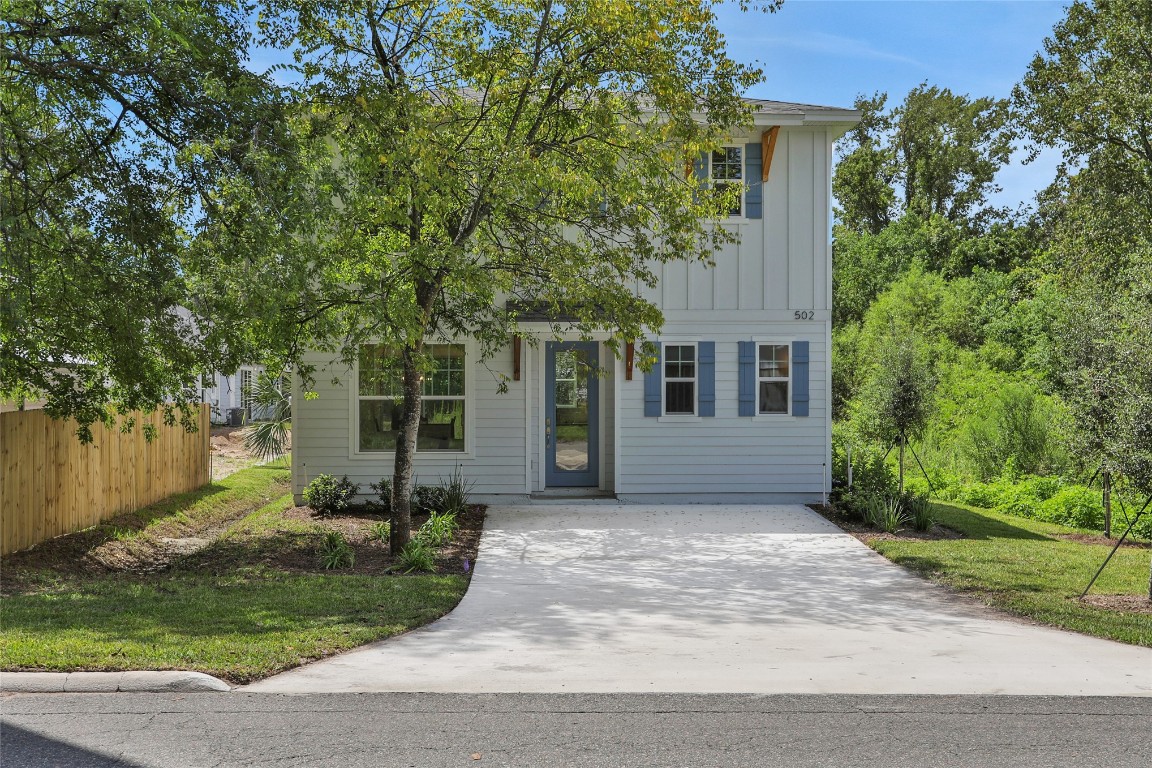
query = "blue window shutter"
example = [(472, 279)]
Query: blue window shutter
[(754, 191), (706, 352), (700, 168), (652, 399), (747, 380), (799, 378)]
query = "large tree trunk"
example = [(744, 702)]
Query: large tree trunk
[(405, 453)]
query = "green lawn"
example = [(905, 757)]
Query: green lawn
[(1018, 565), (233, 616)]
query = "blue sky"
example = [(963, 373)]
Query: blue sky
[(828, 51)]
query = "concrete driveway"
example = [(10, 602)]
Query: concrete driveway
[(711, 599)]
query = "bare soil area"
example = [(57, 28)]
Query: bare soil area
[(1121, 603), (229, 454)]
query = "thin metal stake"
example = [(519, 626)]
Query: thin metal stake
[(1118, 543)]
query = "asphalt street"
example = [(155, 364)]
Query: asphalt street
[(571, 730)]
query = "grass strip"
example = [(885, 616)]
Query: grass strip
[(239, 626), (230, 617), (1018, 565)]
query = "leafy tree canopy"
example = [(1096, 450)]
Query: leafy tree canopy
[(494, 152), (117, 117), (937, 153)]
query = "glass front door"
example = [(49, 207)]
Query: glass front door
[(571, 415)]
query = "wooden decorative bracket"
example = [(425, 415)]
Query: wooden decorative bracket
[(516, 343), (629, 359), (767, 146)]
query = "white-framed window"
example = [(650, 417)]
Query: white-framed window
[(380, 393), (773, 377), (680, 379), (727, 170)]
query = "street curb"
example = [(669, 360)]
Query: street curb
[(110, 682)]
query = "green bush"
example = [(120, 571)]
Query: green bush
[(454, 493), (383, 491), (438, 529), (417, 555), (380, 531), (1074, 506), (326, 494), (427, 499), (919, 511), (335, 551)]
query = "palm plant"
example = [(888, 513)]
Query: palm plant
[(269, 437)]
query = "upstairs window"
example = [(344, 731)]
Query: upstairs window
[(727, 172), (680, 379), (381, 394)]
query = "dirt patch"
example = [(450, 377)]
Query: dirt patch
[(229, 455), (1121, 603), (287, 542), (1093, 538), (865, 533)]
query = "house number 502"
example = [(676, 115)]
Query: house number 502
[(804, 314)]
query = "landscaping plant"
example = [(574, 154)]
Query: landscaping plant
[(417, 555), (454, 493), (437, 530), (326, 494), (335, 551), (380, 531)]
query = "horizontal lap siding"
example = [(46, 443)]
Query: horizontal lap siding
[(323, 433), (728, 453)]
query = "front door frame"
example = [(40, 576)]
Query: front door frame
[(554, 478)]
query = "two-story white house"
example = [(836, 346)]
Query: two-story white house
[(736, 409)]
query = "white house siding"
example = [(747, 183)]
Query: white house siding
[(780, 267), (325, 439), (764, 458)]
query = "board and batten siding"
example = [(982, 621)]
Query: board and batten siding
[(324, 432), (783, 259)]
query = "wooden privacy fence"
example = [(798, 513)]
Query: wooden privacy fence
[(52, 484)]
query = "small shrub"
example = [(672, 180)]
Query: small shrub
[(919, 511), (383, 491), (335, 551), (871, 509), (326, 494), (380, 531), (454, 493), (1074, 506), (427, 499), (892, 515), (416, 555), (438, 529)]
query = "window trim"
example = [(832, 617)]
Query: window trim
[(743, 215), (469, 399), (664, 381), (777, 343)]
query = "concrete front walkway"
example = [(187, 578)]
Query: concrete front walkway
[(711, 599)]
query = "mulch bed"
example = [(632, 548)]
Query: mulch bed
[(92, 551), (1121, 603), (372, 557), (1095, 538), (865, 533)]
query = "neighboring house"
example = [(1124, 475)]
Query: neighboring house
[(737, 409), (229, 392)]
